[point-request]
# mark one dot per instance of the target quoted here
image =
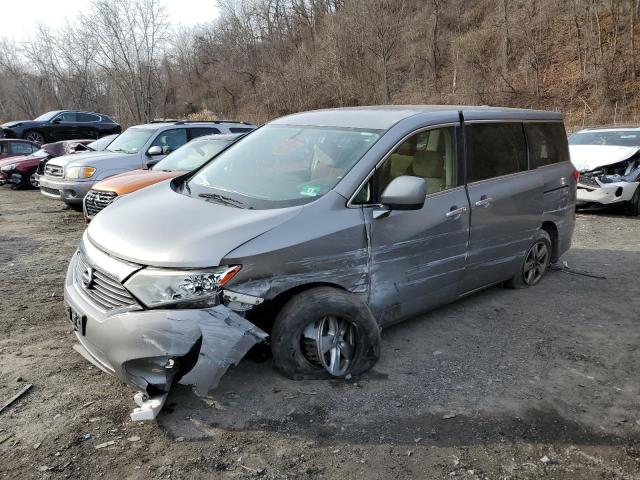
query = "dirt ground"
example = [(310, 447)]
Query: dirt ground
[(503, 385)]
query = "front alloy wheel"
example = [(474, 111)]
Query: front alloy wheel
[(34, 180), (331, 344)]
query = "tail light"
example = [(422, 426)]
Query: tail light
[(576, 174)]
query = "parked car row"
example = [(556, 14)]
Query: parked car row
[(314, 231)]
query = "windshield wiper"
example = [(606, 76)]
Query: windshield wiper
[(116, 150), (222, 199)]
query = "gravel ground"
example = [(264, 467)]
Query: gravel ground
[(505, 384)]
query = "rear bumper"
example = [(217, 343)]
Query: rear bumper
[(607, 194), (71, 192)]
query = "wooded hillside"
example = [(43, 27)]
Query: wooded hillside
[(266, 58)]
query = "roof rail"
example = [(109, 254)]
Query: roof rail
[(212, 121), (612, 127), (164, 120)]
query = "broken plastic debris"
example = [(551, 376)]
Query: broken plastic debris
[(148, 408)]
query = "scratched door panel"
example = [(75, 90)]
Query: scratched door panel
[(417, 256)]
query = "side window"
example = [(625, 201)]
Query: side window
[(495, 149), (547, 143), (22, 148), (67, 117), (171, 140), (240, 129), (4, 147), (87, 118), (430, 154), (199, 132)]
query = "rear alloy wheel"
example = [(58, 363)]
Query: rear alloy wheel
[(34, 136), (535, 262), (324, 332)]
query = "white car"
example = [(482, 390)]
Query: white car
[(608, 160)]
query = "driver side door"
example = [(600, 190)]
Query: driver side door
[(63, 127), (418, 256)]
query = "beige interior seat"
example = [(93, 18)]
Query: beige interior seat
[(430, 166)]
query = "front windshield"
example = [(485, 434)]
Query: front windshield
[(191, 156), (622, 138), (131, 141), (45, 117), (101, 144), (283, 165)]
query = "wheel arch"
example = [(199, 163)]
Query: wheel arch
[(34, 129), (265, 314), (551, 228)]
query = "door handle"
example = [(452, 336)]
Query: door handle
[(484, 202), (456, 212)]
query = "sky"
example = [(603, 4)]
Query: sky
[(19, 19)]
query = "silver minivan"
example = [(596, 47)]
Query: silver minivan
[(315, 231)]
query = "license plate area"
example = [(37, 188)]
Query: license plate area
[(78, 321)]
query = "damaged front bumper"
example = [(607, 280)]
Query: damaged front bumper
[(152, 349), (605, 193)]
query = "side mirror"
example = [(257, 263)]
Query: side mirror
[(155, 150), (57, 121), (405, 193)]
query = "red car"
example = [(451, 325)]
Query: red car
[(21, 170), (14, 148)]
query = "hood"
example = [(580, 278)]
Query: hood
[(11, 124), (11, 160), (589, 157), (81, 158), (160, 227), (135, 180), (19, 159)]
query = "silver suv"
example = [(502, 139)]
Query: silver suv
[(70, 177)]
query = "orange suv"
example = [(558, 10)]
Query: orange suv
[(185, 159)]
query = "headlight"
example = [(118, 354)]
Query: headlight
[(8, 168), (80, 172), (158, 287)]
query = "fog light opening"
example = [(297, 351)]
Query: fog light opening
[(618, 191)]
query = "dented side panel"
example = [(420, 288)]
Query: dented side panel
[(327, 244)]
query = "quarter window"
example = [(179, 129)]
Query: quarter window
[(495, 149), (430, 155), (547, 143), (171, 140)]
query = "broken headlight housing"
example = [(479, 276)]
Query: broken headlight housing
[(157, 287)]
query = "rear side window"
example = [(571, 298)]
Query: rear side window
[(495, 149), (199, 132), (87, 117), (547, 143), (240, 129)]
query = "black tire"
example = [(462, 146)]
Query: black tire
[(34, 136), (314, 305), (633, 207), (28, 181), (523, 278)]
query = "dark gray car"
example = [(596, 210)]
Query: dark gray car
[(319, 229)]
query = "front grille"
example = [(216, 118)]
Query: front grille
[(53, 170), (588, 181), (97, 200), (105, 291)]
